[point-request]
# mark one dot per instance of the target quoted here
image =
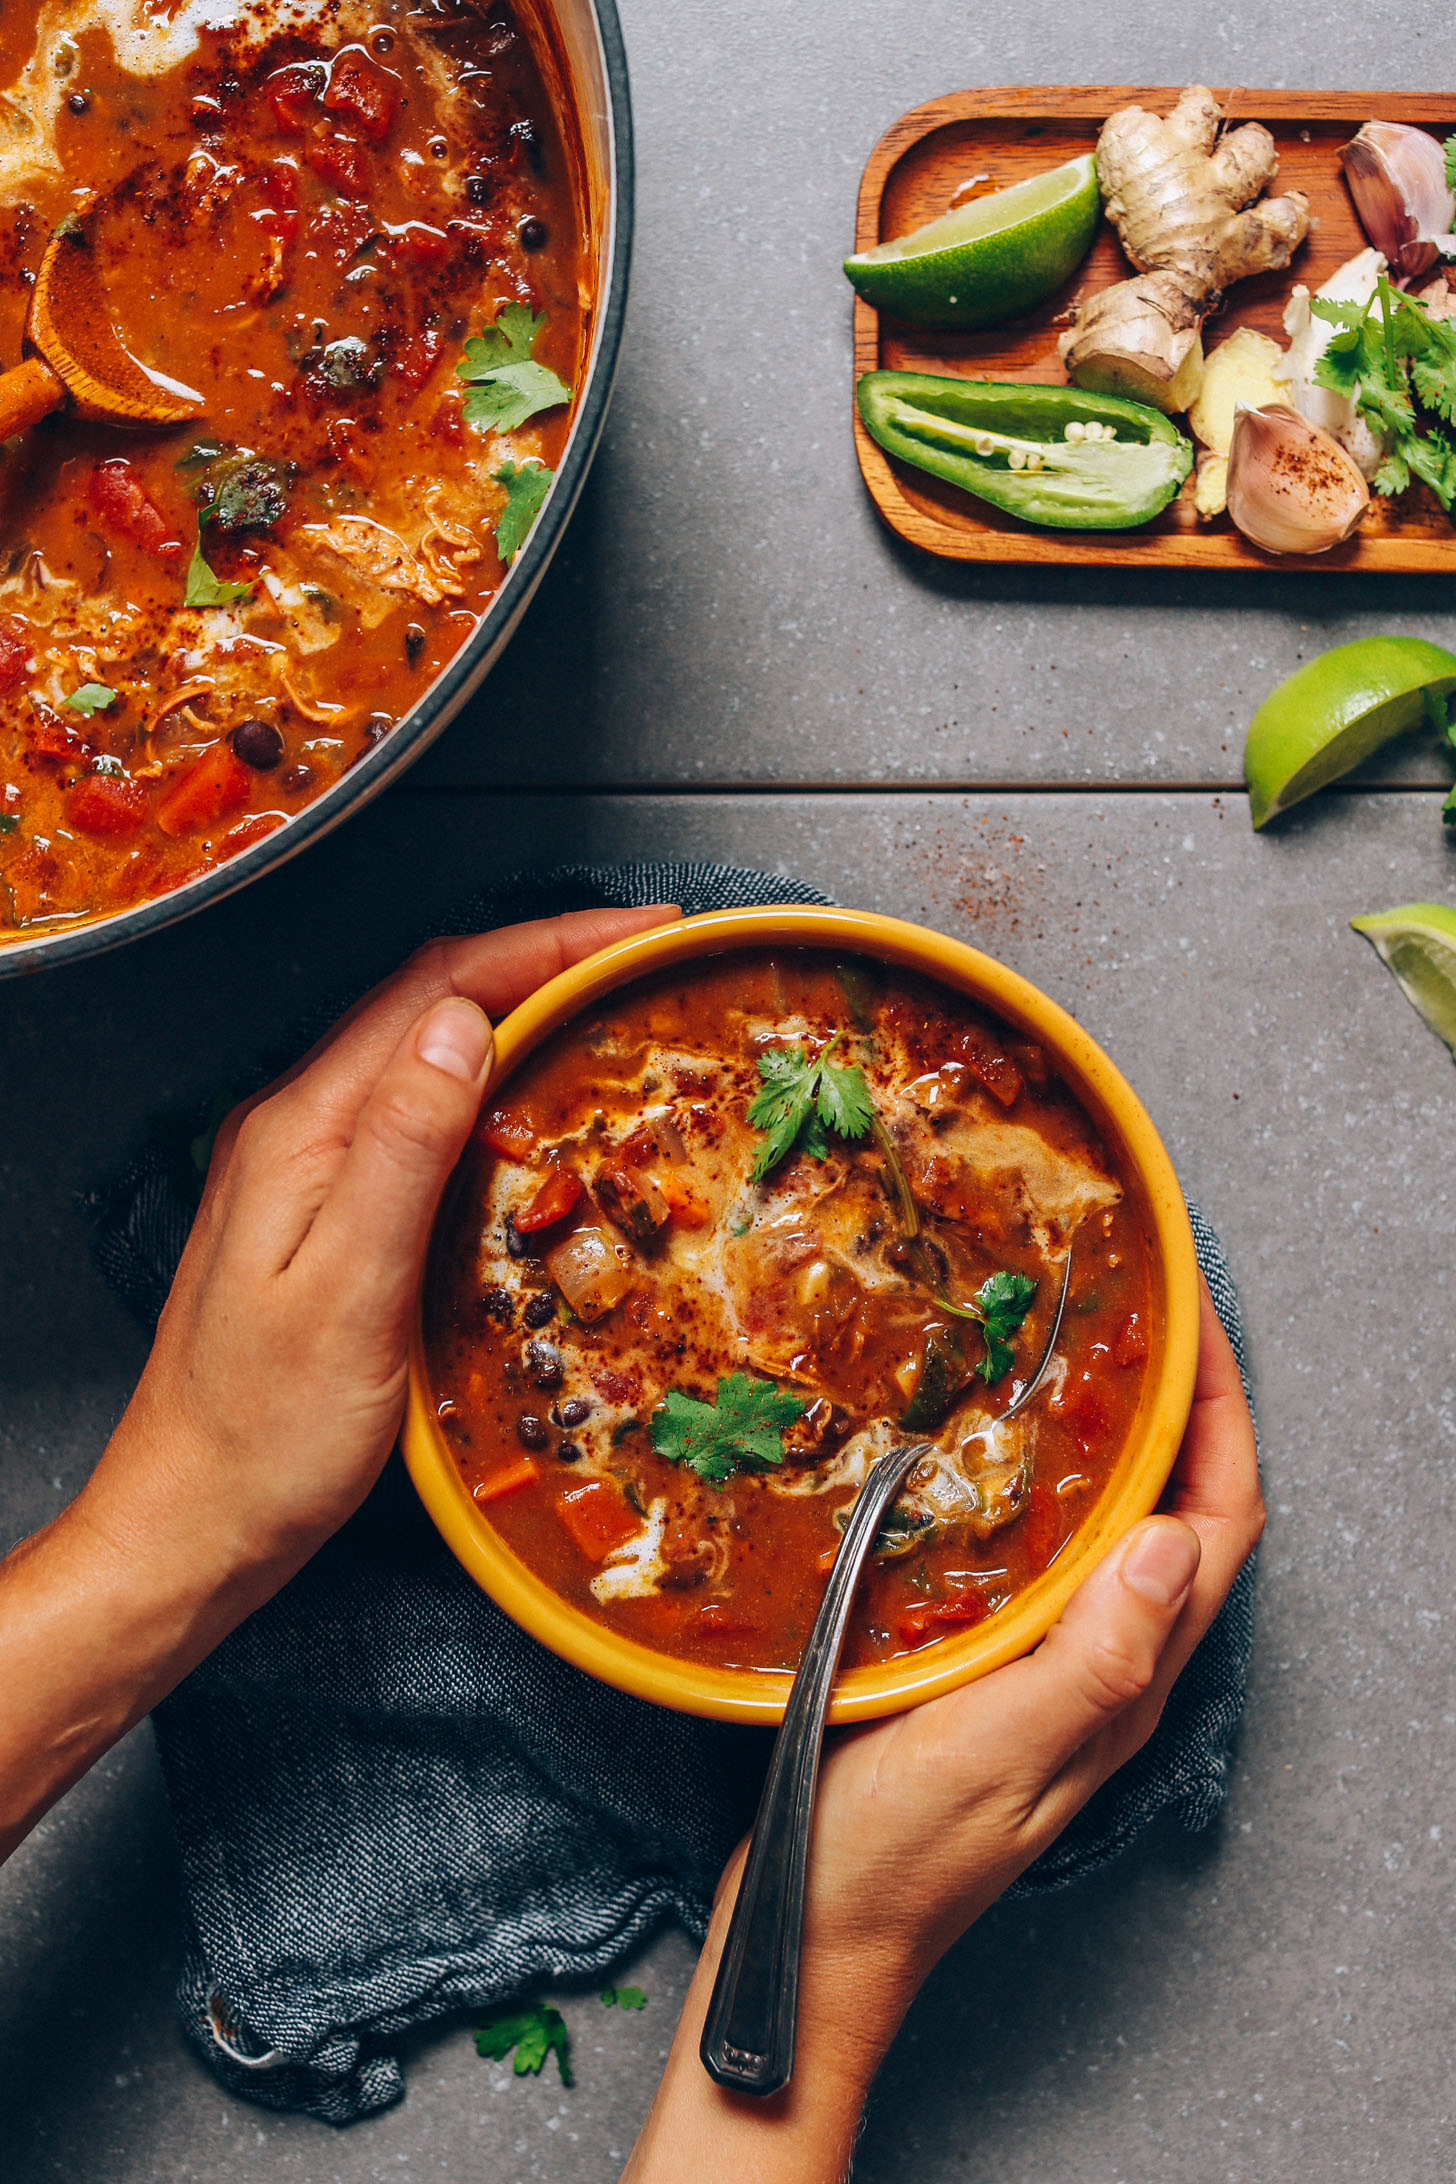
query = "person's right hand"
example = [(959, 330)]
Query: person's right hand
[(924, 1819)]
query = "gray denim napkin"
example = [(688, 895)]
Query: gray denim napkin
[(391, 1804)]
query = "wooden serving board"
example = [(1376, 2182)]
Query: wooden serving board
[(1008, 133)]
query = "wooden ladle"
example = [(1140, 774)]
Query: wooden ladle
[(79, 357)]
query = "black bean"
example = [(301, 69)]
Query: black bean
[(296, 777), (479, 189), (259, 745), (515, 1242), (569, 1452), (79, 103), (540, 1310), (528, 136), (543, 1363), (575, 1411), (531, 1431), (414, 642), (533, 234), (499, 1303)]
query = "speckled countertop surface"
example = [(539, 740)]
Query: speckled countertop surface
[(731, 658)]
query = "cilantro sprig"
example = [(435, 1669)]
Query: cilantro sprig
[(742, 1431), (506, 384), (998, 1309), (1398, 365), (534, 2032), (803, 1098), (204, 588), (527, 485), (92, 697)]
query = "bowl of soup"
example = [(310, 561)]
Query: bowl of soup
[(385, 246), (752, 1199)]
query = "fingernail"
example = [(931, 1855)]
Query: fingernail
[(455, 1037), (1161, 1563)]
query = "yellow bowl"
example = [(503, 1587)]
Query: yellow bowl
[(759, 1695)]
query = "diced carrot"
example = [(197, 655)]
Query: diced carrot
[(525, 1471), (122, 506), (598, 1517), (16, 651), (367, 94), (689, 1209), (508, 1134), (343, 164), (552, 1203), (1130, 1343), (218, 783), (294, 92), (107, 804), (927, 1619)]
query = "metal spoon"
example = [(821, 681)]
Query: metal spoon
[(748, 2036)]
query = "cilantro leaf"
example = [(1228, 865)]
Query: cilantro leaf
[(534, 2032), (1449, 148), (742, 1431), (206, 590), (10, 820), (92, 697), (1387, 356), (1003, 1301), (527, 485), (802, 1100), (506, 386), (624, 1998)]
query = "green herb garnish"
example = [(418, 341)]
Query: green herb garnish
[(9, 821), (92, 697), (1388, 355), (802, 1100), (534, 2032), (1002, 1303), (624, 1998), (206, 590), (527, 485), (506, 387), (742, 1431)]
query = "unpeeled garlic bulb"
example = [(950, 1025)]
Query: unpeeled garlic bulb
[(1397, 177), (1291, 488)]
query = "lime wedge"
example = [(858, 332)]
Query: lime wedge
[(989, 260), (1418, 941), (1336, 710)]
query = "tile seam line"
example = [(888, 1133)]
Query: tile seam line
[(625, 792)]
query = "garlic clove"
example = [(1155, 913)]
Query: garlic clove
[(1397, 177), (1291, 488)]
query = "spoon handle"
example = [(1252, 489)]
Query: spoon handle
[(748, 2037)]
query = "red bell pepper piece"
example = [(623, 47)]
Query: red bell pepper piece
[(552, 1203), (218, 783), (16, 655), (107, 804), (367, 94), (123, 507), (927, 1619), (1130, 1343)]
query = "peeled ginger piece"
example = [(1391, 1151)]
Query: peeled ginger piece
[(1238, 374)]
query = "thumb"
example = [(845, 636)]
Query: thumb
[(1103, 1654), (368, 1238)]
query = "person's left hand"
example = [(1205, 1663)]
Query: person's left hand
[(277, 1383)]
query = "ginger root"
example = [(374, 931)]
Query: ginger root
[(1182, 201), (1241, 373)]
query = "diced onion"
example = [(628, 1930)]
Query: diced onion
[(588, 1271)]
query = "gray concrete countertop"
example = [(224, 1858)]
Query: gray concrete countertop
[(733, 660)]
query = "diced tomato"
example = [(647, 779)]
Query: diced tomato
[(122, 506), (448, 424), (218, 783), (51, 737), (927, 1619), (552, 1203), (508, 1480), (1130, 1343), (509, 1135), (1041, 1528), (16, 652), (416, 357), (1079, 1402), (598, 1517), (366, 93), (256, 829), (279, 185), (107, 804), (715, 1619), (990, 1068), (343, 164), (32, 880), (294, 93), (689, 1209), (416, 243)]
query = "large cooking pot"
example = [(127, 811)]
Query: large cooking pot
[(588, 38)]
